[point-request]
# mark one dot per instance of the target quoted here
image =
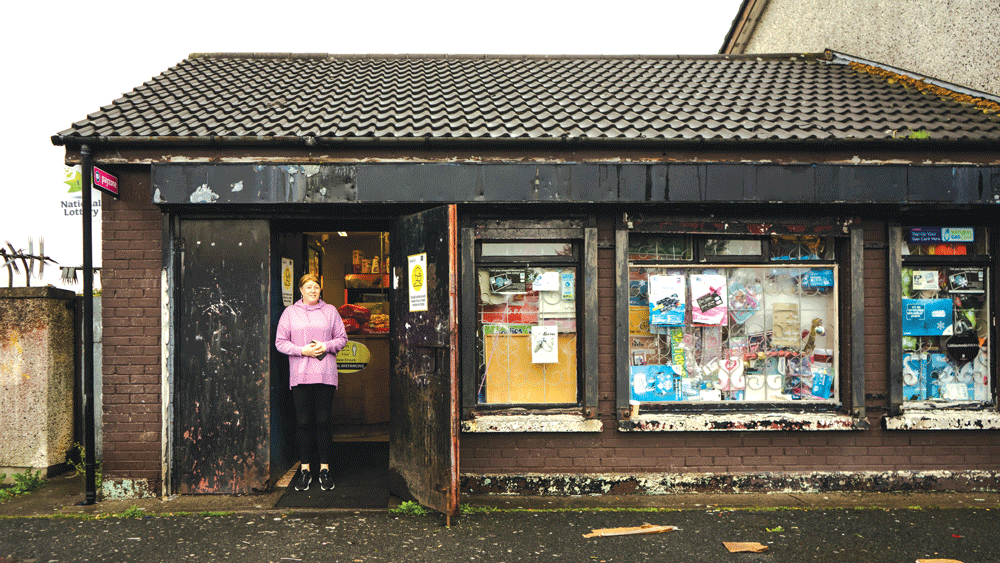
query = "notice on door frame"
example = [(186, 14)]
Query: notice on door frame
[(287, 281), (418, 281)]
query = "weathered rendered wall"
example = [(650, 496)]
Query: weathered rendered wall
[(953, 40), (37, 339)]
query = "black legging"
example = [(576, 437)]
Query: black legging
[(313, 431)]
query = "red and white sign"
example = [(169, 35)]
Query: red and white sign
[(105, 182)]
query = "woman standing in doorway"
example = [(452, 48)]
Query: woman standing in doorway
[(310, 333)]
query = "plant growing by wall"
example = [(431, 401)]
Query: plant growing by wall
[(76, 459), (24, 483)]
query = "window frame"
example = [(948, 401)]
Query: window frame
[(898, 406), (848, 236), (582, 233)]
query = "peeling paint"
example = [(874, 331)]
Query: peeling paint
[(237, 187), (114, 489), (684, 483), (944, 420), (204, 194), (707, 422), (166, 382), (532, 423)]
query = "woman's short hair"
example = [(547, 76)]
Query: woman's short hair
[(309, 278)]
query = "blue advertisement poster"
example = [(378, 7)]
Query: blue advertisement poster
[(927, 317)]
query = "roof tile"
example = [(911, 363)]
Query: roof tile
[(723, 98)]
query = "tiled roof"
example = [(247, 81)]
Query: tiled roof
[(250, 97)]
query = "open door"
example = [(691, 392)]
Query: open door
[(423, 441)]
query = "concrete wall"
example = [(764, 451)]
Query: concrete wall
[(37, 371), (953, 40)]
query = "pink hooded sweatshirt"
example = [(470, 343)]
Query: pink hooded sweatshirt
[(300, 324)]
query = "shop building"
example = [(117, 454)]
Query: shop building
[(599, 274)]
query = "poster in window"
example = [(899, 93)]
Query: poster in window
[(666, 300), (924, 235), (925, 280), (546, 281), (651, 383), (927, 317), (544, 344), (638, 293), (966, 280), (508, 281), (708, 299)]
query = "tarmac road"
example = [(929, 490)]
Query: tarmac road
[(50, 525), (842, 535)]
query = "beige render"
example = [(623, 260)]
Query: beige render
[(957, 41)]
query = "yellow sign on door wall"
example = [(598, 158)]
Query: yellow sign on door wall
[(287, 281), (418, 282), (354, 357)]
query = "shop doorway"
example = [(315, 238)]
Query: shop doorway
[(351, 265), (230, 428)]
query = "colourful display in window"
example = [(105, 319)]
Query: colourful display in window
[(945, 334), (746, 333)]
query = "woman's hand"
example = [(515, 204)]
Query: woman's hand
[(314, 349)]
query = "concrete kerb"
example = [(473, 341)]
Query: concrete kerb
[(63, 494)]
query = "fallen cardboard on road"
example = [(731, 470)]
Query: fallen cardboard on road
[(744, 547), (629, 531)]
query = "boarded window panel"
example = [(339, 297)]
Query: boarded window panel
[(512, 378)]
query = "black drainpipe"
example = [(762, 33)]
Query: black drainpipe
[(88, 329)]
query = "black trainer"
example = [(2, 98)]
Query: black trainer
[(305, 479), (325, 481)]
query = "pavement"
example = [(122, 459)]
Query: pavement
[(51, 525)]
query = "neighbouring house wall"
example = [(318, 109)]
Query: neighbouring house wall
[(37, 341), (131, 308), (952, 40)]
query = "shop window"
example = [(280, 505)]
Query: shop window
[(732, 320), (946, 316), (528, 293), (528, 335)]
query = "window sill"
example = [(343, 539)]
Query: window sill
[(532, 423), (742, 422), (943, 419)]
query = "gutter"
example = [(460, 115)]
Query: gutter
[(410, 142)]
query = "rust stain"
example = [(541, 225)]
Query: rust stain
[(13, 355), (986, 106)]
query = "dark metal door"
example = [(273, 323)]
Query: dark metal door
[(222, 379), (423, 448)]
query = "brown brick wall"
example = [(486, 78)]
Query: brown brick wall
[(130, 281), (132, 420)]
